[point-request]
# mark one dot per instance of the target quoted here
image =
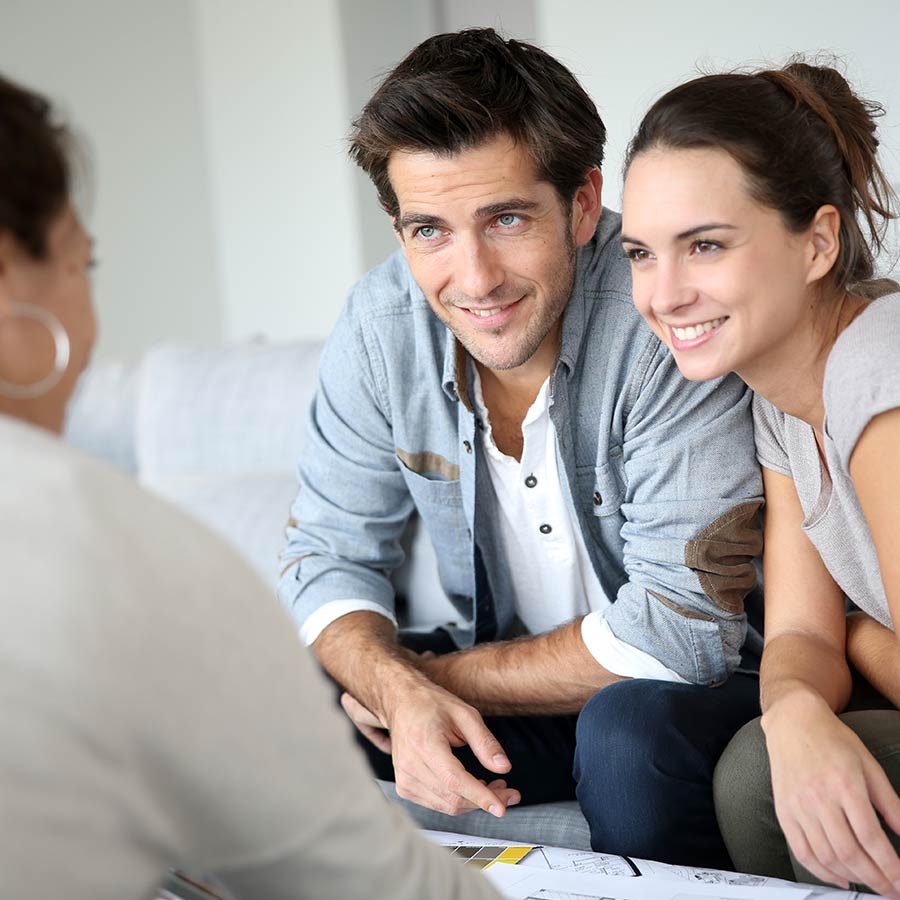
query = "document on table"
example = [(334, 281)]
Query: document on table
[(556, 873), (524, 883)]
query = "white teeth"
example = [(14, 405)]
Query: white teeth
[(693, 331), (485, 313)]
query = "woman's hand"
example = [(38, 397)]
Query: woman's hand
[(828, 790)]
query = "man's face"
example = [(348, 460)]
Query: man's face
[(491, 247)]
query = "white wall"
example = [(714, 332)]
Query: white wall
[(376, 36), (626, 55), (274, 92), (124, 73), (225, 205)]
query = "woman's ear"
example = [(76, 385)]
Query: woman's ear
[(824, 242)]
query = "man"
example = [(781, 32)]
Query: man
[(494, 377)]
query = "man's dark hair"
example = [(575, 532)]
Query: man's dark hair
[(455, 91)]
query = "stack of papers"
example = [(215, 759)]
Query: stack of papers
[(554, 873)]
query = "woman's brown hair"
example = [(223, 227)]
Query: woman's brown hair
[(803, 138)]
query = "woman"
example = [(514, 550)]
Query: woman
[(158, 708), (753, 207)]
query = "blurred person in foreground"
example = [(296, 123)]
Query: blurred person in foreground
[(158, 711)]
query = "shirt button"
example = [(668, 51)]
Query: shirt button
[(530, 481), (545, 528), (468, 446), (597, 498)]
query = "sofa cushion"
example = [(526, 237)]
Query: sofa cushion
[(559, 824), (236, 409), (101, 414), (249, 511), (217, 432)]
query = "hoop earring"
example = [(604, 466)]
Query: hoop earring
[(60, 363)]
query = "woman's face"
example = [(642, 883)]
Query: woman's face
[(58, 284), (718, 276)]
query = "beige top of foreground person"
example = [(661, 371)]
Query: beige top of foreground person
[(159, 711)]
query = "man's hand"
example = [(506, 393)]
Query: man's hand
[(367, 723), (420, 735), (401, 711)]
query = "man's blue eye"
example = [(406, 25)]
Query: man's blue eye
[(508, 219), (426, 231)]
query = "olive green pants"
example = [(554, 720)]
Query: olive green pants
[(742, 787)]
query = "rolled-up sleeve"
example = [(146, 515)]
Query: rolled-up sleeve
[(343, 535), (692, 525)]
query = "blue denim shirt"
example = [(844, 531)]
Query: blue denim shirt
[(660, 471)]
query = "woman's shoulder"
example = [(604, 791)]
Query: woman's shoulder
[(862, 375), (874, 333), (49, 478), (100, 521)]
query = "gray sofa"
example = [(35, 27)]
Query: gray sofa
[(217, 431)]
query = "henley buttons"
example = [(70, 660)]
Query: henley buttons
[(597, 498), (545, 528), (530, 481), (468, 446)]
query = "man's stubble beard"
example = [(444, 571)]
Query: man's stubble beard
[(538, 327)]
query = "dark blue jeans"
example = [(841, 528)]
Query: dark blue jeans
[(639, 758), (645, 754)]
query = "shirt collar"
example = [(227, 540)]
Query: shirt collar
[(591, 264)]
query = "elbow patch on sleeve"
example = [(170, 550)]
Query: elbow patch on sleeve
[(722, 556)]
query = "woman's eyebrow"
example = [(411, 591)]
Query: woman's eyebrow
[(684, 235), (709, 226)]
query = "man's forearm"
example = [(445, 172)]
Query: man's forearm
[(548, 674), (361, 652)]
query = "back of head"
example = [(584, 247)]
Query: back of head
[(803, 138), (34, 170), (455, 91)]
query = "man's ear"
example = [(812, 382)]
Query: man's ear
[(824, 242), (587, 206), (398, 231)]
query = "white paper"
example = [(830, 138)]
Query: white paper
[(602, 875), (522, 882)]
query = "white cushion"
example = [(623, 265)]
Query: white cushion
[(248, 511), (240, 408), (101, 414), (218, 432)]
